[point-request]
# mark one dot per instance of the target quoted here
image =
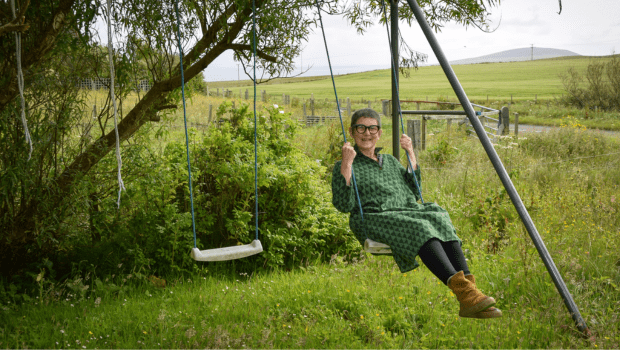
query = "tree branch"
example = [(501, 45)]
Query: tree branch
[(17, 24), (259, 53), (13, 27), (38, 49)]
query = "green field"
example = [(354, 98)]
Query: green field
[(522, 80)]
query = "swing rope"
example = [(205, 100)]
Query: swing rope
[(121, 185), (20, 81), (255, 133), (357, 195), (398, 97), (189, 166)]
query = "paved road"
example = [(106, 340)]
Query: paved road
[(525, 128)]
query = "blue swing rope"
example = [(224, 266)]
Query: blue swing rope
[(400, 113), (255, 134), (357, 195), (189, 167)]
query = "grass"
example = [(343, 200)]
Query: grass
[(525, 80), (569, 181)]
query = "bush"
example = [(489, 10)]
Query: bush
[(297, 223), (602, 89)]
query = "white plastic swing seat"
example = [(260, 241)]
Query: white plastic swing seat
[(373, 247), (227, 253)]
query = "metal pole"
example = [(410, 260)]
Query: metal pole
[(395, 103), (501, 172)]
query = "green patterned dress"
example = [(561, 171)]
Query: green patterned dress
[(392, 214)]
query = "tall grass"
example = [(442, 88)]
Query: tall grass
[(569, 181)]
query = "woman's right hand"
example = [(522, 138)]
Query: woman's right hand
[(348, 155)]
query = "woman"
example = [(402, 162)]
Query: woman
[(392, 215)]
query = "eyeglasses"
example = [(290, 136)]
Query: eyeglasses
[(361, 128)]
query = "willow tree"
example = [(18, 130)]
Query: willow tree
[(58, 37)]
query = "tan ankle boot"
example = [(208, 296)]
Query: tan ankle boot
[(491, 312), (471, 299)]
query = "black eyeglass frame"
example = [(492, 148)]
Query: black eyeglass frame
[(370, 128)]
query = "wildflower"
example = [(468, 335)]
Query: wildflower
[(144, 332), (348, 291), (400, 298), (62, 331), (518, 332), (89, 332), (429, 292), (275, 106), (309, 291), (362, 317), (281, 112), (278, 305)]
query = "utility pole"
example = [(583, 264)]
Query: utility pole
[(532, 52)]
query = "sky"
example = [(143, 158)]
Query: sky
[(586, 27)]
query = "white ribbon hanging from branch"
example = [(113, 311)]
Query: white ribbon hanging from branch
[(20, 80), (121, 185)]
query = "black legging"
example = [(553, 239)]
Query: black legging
[(444, 259)]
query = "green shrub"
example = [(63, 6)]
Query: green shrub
[(297, 223)]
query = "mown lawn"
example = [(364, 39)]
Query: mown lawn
[(569, 181)]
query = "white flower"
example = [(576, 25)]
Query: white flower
[(275, 106), (281, 112)]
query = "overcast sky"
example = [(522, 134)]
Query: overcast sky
[(585, 27)]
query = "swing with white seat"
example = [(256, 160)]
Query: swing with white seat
[(370, 246), (239, 251)]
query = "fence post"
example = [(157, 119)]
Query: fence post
[(423, 132), (210, 113), (369, 104), (418, 104), (217, 92), (413, 131), (517, 125), (505, 120), (305, 115), (312, 106), (348, 106)]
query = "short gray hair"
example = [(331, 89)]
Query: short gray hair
[(365, 113)]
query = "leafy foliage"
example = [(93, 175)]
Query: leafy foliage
[(601, 89), (297, 223)]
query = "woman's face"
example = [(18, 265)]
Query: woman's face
[(365, 140)]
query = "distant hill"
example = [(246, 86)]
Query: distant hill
[(523, 54)]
